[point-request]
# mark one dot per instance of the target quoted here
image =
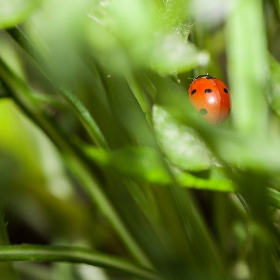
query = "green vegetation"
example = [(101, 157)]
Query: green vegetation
[(107, 171)]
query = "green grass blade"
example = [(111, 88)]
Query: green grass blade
[(77, 106), (73, 255), (22, 96)]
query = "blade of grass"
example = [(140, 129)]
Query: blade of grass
[(74, 255), (247, 66), (137, 92), (78, 107), (25, 100)]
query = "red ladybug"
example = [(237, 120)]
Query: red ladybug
[(210, 97)]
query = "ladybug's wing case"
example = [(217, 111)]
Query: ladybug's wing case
[(210, 97), (225, 100), (205, 97)]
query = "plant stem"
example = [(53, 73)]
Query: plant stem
[(6, 268), (73, 255)]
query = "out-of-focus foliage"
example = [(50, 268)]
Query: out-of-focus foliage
[(101, 148), (190, 153), (16, 11)]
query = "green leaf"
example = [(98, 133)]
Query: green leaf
[(171, 54), (152, 37), (146, 164), (176, 15), (143, 163), (180, 143), (273, 197), (13, 12), (187, 180), (273, 92)]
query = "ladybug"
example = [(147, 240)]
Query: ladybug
[(211, 98)]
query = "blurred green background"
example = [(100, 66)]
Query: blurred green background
[(101, 149)]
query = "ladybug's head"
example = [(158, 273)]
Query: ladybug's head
[(204, 76)]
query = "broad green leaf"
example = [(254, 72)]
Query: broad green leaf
[(140, 31), (176, 15), (13, 12), (180, 143), (145, 163), (171, 54), (188, 180), (132, 20)]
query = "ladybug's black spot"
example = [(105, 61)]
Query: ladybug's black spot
[(208, 90), (203, 111), (193, 91), (225, 90)]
